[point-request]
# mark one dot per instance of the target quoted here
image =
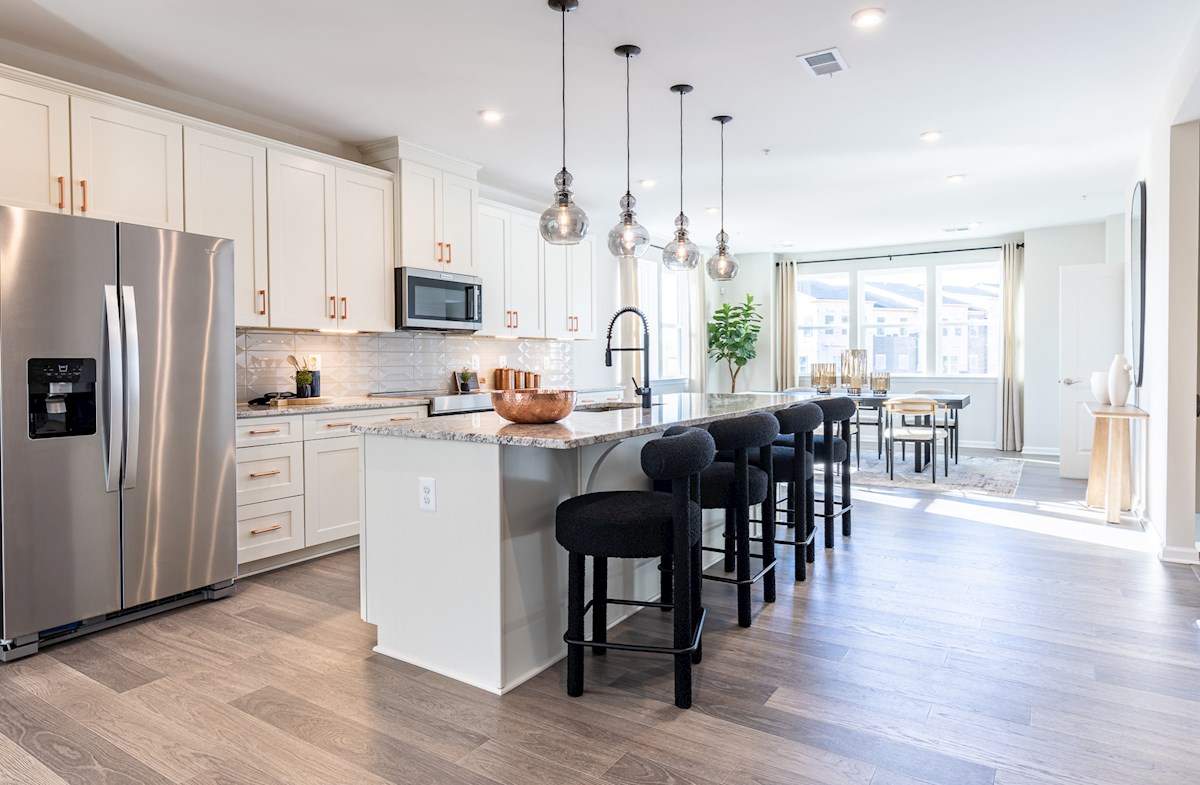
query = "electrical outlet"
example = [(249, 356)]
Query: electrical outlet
[(474, 362), (427, 494)]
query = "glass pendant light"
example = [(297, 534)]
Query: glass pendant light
[(628, 239), (722, 266), (681, 253), (564, 222)]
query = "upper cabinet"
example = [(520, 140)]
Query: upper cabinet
[(225, 195), (126, 165), (302, 239), (366, 250), (35, 147), (570, 303), (510, 263)]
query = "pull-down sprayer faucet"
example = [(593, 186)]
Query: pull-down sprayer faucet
[(645, 350)]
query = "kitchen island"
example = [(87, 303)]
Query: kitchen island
[(462, 575)]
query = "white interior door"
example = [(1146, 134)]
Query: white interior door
[(1090, 317)]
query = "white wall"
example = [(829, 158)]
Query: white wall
[(1046, 251)]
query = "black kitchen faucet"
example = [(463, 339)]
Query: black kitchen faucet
[(645, 350)]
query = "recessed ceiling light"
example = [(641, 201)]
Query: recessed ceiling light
[(956, 178), (647, 183), (787, 243), (491, 115), (712, 210), (932, 135), (868, 17)]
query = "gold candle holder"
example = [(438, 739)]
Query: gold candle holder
[(824, 376), (880, 382), (854, 370)]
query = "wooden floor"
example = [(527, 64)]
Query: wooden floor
[(951, 640)]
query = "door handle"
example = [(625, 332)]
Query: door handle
[(62, 193), (83, 186), (115, 367), (1069, 381), (345, 308), (449, 253), (133, 397), (263, 294), (271, 473), (441, 246), (264, 530), (333, 306)]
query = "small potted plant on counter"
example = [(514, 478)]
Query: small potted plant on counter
[(304, 380)]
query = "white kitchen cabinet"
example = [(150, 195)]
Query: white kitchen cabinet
[(126, 165), (225, 195), (302, 241), (269, 472), (366, 251), (510, 263), (35, 147), (437, 219), (269, 528), (526, 272), (570, 304), (495, 228), (331, 489)]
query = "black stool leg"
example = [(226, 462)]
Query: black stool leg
[(846, 486), (682, 618), (599, 603), (768, 549), (697, 562), (829, 498), (575, 589), (730, 525), (798, 521), (664, 582), (743, 563), (810, 517)]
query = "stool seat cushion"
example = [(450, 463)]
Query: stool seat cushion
[(621, 524), (716, 486), (782, 458), (839, 446)]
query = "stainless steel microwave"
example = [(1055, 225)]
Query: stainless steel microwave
[(432, 300)]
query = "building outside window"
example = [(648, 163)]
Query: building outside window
[(823, 300), (664, 299), (893, 303)]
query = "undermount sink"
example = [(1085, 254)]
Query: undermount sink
[(609, 407)]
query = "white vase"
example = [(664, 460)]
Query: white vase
[(1100, 386), (1119, 381)]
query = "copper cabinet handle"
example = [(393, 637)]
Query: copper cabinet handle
[(263, 294), (398, 419), (345, 307), (83, 185), (272, 473), (449, 253), (508, 318), (62, 194), (516, 319), (264, 430), (333, 306), (276, 527), (440, 247), (338, 424)]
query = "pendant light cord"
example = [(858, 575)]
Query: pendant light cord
[(681, 152), (628, 163), (722, 178), (564, 87)]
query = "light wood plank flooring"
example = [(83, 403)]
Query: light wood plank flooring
[(952, 640)]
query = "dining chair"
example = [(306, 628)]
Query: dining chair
[(924, 430), (953, 424)]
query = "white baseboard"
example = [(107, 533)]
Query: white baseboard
[(1176, 555), (1051, 452)]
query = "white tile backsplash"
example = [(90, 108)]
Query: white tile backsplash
[(359, 364)]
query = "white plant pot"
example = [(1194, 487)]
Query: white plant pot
[(1119, 381), (1100, 386)]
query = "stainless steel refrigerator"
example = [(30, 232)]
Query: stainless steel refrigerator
[(117, 400)]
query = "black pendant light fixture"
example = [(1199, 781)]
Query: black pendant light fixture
[(722, 266), (564, 222), (681, 253), (628, 239)]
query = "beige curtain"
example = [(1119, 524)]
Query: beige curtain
[(1012, 379), (785, 325)]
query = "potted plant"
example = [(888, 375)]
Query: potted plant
[(304, 380), (732, 334)]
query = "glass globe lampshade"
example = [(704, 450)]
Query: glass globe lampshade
[(564, 222), (681, 254), (628, 239), (722, 266)]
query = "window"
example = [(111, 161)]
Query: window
[(822, 299), (969, 297), (893, 304), (665, 300)]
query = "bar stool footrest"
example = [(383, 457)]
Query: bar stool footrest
[(642, 647), (752, 579)]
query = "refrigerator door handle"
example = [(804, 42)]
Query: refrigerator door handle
[(133, 376), (116, 390)]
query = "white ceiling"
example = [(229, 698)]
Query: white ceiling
[(1042, 102)]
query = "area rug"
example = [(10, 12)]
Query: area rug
[(972, 474)]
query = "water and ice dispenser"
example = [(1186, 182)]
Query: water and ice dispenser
[(62, 397)]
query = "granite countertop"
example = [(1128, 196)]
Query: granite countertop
[(582, 428), (245, 411)]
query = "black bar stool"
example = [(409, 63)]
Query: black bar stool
[(832, 446), (733, 485), (798, 422), (637, 525)]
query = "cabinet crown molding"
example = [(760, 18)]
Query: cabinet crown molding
[(394, 147)]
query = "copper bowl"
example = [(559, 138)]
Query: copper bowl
[(533, 406)]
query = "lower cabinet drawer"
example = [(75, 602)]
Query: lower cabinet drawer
[(272, 471), (333, 425), (270, 528)]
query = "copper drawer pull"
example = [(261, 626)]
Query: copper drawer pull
[(398, 419), (440, 247), (338, 424), (62, 194), (264, 430), (333, 306), (263, 294), (449, 253), (267, 529), (273, 472), (517, 319), (83, 185), (345, 308)]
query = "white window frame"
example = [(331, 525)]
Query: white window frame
[(658, 328)]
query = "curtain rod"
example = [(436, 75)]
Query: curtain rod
[(897, 255)]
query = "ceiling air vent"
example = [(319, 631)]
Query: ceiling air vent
[(824, 63)]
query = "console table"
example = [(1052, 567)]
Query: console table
[(1108, 476)]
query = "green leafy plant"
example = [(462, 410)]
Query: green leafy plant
[(303, 378), (732, 334)]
